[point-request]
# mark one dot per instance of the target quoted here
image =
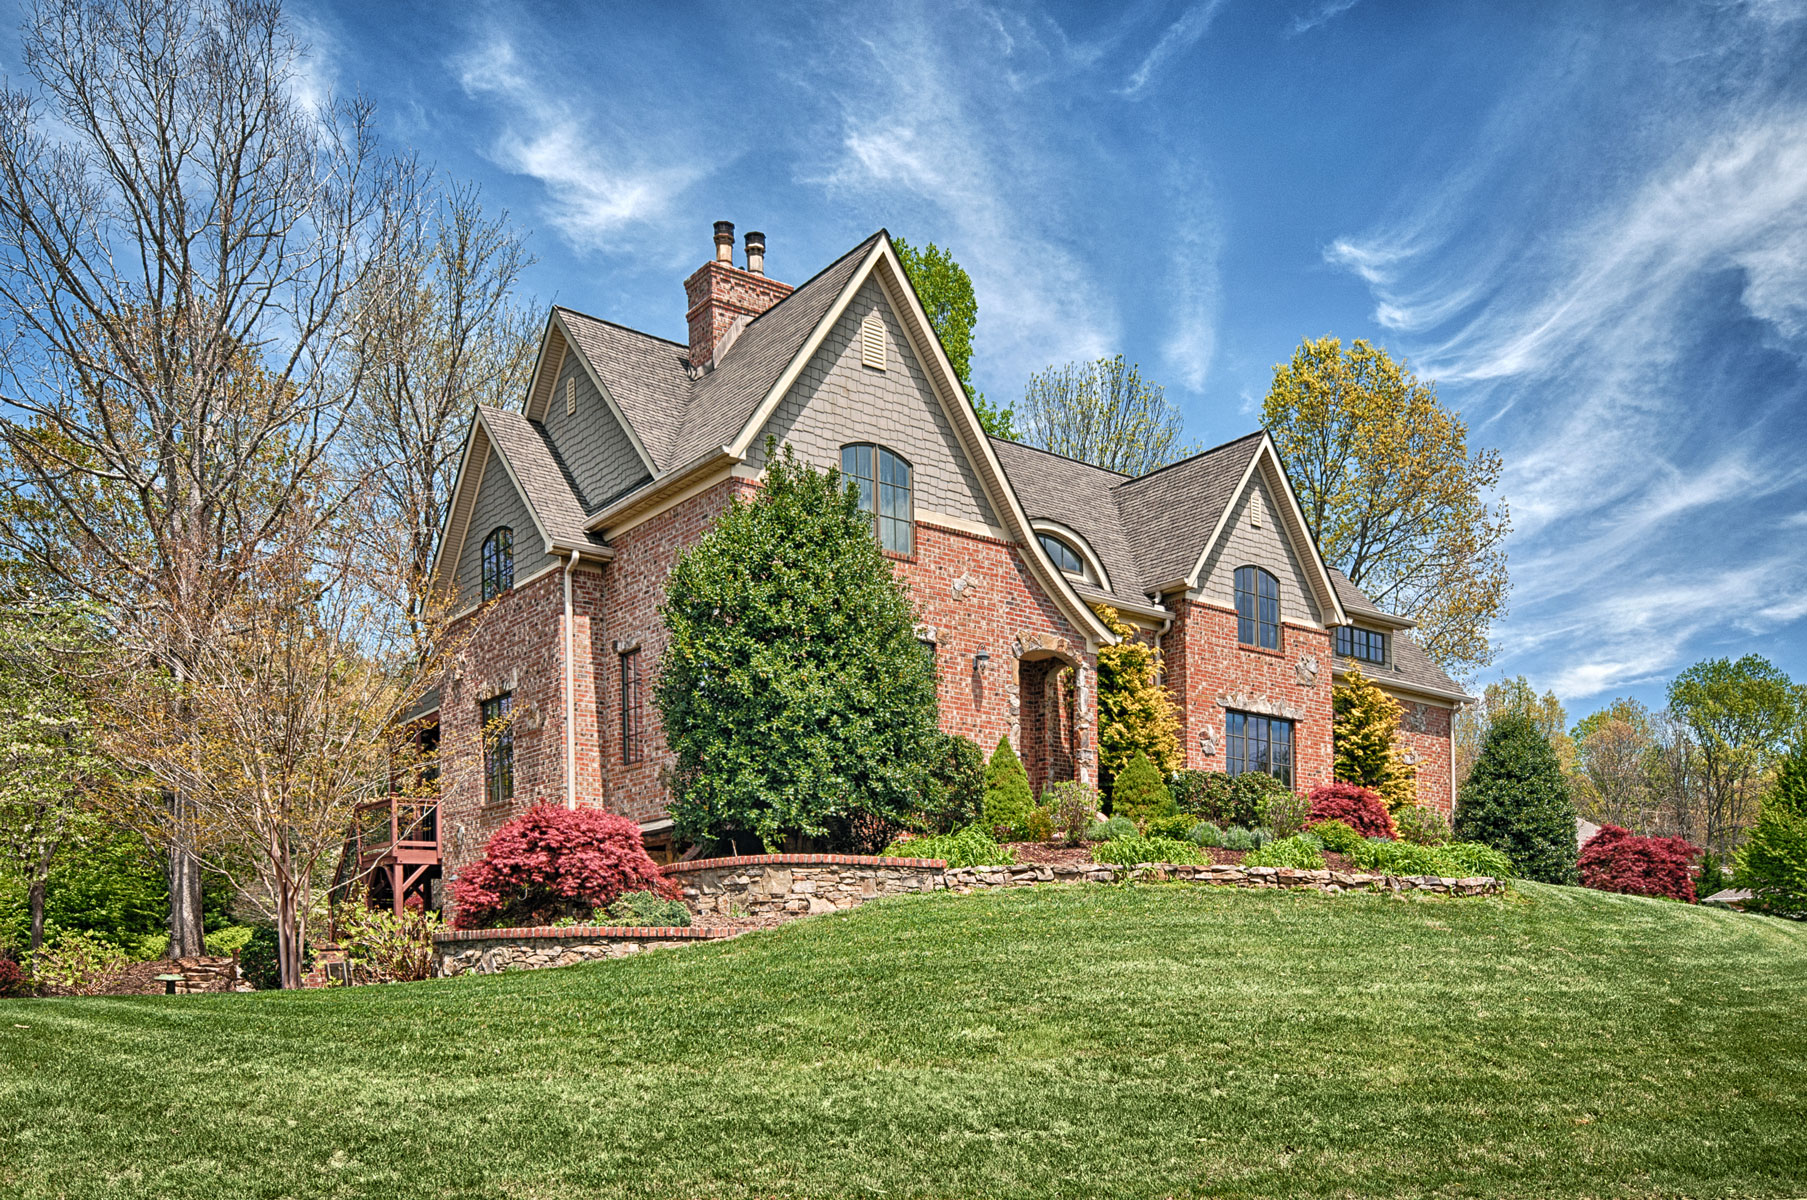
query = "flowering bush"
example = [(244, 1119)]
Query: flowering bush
[(1618, 860), (553, 862), (1358, 807)]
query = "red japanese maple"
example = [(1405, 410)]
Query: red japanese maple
[(1358, 807), (552, 862), (1618, 860)]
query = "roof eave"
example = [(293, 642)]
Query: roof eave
[(1343, 668), (659, 487)]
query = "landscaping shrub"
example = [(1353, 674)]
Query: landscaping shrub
[(1007, 795), (1773, 863), (1365, 740), (78, 963), (1177, 825), (1249, 794), (258, 960), (1472, 858), (1238, 838), (1111, 830), (1205, 834), (1618, 860), (1132, 850), (970, 847), (551, 862), (15, 984), (1337, 835), (1135, 714), (1516, 800), (382, 947), (1297, 852), (644, 910), (1358, 807), (1458, 860), (1075, 807), (1285, 813), (1140, 793), (1422, 826), (1206, 795), (955, 796), (1040, 827), (221, 942)]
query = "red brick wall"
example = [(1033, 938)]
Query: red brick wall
[(717, 293), (1433, 749), (1204, 661)]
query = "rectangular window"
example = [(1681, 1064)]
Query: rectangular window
[(1257, 743), (1365, 644), (498, 749), (633, 714)]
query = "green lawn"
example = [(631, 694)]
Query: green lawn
[(1070, 1041)]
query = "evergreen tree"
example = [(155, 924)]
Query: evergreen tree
[(1773, 863), (1516, 801), (1789, 792), (1135, 714), (1366, 741), (793, 691), (1140, 793), (1008, 800)]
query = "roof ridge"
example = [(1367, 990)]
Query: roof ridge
[(1063, 457), (825, 270), (1192, 458), (577, 312)]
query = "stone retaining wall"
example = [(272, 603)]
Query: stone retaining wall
[(760, 885), (489, 951), (966, 879)]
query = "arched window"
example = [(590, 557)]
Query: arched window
[(1257, 608), (1064, 556), (498, 562), (884, 482)]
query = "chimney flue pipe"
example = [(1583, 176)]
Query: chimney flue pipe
[(756, 253), (724, 242)]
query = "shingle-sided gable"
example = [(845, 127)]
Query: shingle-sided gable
[(836, 400), (1254, 535), (1169, 515), (645, 376), (497, 505), (590, 442)]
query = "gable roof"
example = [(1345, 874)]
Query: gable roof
[(1411, 669), (1164, 510), (645, 377), (1082, 497)]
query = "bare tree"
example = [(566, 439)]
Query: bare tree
[(437, 332), (181, 239), (1103, 413)]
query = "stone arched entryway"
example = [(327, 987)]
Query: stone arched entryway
[(1051, 738)]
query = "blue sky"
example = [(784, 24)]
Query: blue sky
[(1587, 223)]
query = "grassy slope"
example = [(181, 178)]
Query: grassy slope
[(1057, 1041)]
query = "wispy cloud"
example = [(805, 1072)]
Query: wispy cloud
[(599, 180), (1195, 291), (1306, 21), (1178, 38)]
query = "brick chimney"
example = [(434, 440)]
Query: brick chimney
[(720, 291)]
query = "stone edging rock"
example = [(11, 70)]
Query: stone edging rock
[(966, 879)]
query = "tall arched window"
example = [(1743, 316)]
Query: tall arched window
[(498, 562), (1257, 608), (884, 480)]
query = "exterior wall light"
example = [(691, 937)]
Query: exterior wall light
[(980, 660)]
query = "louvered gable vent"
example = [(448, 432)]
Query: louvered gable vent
[(872, 342)]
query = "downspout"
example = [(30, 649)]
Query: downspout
[(570, 690)]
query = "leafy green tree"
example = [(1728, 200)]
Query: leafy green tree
[(1140, 793), (1104, 413), (1516, 801), (956, 796), (1392, 494), (1616, 756), (1135, 714), (1365, 738), (946, 292), (1008, 800), (1515, 695), (793, 691), (1742, 716)]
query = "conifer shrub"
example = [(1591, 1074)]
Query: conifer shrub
[(1300, 853), (1422, 826), (552, 862), (970, 847), (1140, 793), (1618, 860), (1337, 835), (1135, 714), (1008, 800), (1358, 807), (1285, 813), (1132, 850), (1517, 801), (1365, 739), (1773, 862)]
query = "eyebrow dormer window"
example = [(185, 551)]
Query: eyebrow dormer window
[(1066, 556), (498, 562), (1367, 645), (884, 483), (1257, 608)]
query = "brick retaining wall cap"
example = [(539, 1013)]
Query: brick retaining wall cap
[(651, 933), (802, 860)]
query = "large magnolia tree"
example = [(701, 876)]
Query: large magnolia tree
[(1393, 494)]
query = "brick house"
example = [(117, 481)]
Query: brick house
[(567, 516)]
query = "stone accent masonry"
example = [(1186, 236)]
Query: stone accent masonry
[(799, 885)]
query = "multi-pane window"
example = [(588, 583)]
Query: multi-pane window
[(633, 711), (498, 562), (1257, 743), (884, 483), (1366, 644), (1257, 608), (498, 749), (1064, 556)]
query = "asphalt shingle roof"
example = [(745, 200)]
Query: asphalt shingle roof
[(645, 374), (551, 492), (1411, 665), (1168, 514), (1079, 496)]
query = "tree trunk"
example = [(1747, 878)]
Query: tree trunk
[(288, 940), (187, 935), (35, 898)]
